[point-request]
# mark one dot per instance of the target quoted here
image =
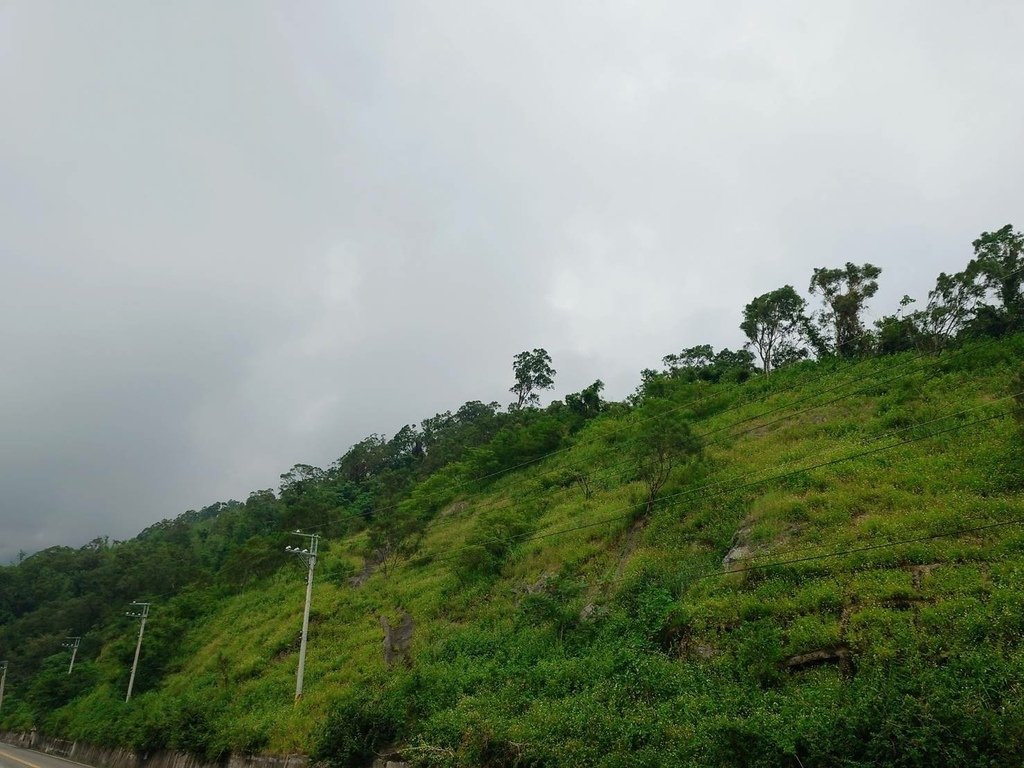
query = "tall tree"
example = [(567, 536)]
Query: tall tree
[(774, 324), (691, 359), (702, 363), (844, 292), (730, 365), (587, 402), (363, 460), (998, 266), (951, 305), (533, 373), (900, 332)]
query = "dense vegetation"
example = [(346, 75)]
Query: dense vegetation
[(562, 571)]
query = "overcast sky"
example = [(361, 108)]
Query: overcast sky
[(237, 235)]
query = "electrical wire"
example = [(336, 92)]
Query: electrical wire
[(937, 361), (865, 548), (630, 511), (689, 404)]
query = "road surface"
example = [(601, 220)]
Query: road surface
[(13, 757)]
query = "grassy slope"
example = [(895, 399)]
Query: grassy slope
[(669, 660)]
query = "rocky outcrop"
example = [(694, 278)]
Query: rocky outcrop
[(384, 762), (397, 639), (735, 555), (370, 565), (838, 655)]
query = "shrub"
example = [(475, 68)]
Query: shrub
[(357, 728)]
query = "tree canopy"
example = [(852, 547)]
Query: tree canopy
[(998, 266), (662, 441), (844, 292), (775, 324), (533, 373)]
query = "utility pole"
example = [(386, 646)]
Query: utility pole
[(139, 611), (3, 680), (309, 556), (72, 643)]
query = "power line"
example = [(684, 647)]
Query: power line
[(631, 510), (729, 427), (629, 426), (966, 350), (888, 434), (748, 474), (717, 573), (866, 548), (754, 566), (896, 431), (808, 547), (689, 404)]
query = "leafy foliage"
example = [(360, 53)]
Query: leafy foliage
[(533, 374), (844, 292), (775, 324), (357, 728), (662, 441), (699, 364), (999, 265)]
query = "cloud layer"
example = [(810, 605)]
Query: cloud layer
[(235, 238)]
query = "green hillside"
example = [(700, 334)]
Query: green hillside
[(623, 642), (821, 565)]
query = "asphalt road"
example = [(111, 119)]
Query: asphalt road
[(13, 757)]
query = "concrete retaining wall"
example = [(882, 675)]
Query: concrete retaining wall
[(119, 757)]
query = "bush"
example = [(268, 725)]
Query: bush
[(357, 728), (759, 653), (490, 543)]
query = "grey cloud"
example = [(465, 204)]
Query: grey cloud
[(238, 236)]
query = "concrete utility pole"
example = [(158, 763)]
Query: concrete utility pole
[(140, 611), (3, 681), (309, 555), (72, 643)]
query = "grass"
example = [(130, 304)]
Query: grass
[(556, 650)]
